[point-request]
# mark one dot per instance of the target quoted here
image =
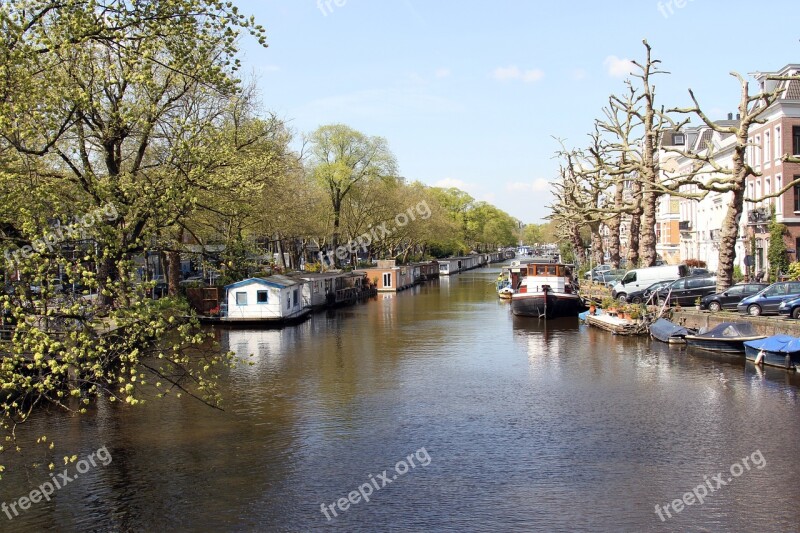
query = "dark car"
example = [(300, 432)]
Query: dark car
[(686, 290), (730, 298), (768, 300), (790, 307), (638, 297)]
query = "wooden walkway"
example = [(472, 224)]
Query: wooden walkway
[(616, 325)]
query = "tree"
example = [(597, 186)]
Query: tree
[(776, 253), (710, 175), (109, 111), (342, 158)]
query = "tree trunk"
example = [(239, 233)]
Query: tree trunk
[(106, 275), (633, 229), (727, 245), (614, 229), (577, 243), (647, 230), (597, 244), (173, 272)]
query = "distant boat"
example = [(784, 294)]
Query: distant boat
[(505, 292), (727, 337), (669, 332), (779, 350), (546, 291)]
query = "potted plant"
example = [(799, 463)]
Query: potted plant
[(607, 303), (697, 303), (635, 314)]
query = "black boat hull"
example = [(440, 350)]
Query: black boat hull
[(546, 305)]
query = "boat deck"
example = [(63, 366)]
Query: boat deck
[(616, 325)]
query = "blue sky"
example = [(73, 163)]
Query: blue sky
[(472, 94)]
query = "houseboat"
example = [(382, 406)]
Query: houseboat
[(387, 276), (332, 288), (425, 271), (319, 289), (546, 291), (276, 300), (454, 265)]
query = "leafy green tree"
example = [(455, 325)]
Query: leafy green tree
[(776, 252), (113, 108), (342, 158)]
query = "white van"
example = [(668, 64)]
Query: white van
[(640, 278)]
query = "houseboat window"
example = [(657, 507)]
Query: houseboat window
[(288, 302), (541, 270), (241, 298), (262, 296), (387, 279), (315, 285), (295, 298), (551, 270)]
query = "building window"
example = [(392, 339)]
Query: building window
[(797, 196), (262, 297), (767, 148), (779, 199), (778, 143), (796, 140), (678, 139), (757, 149), (241, 298), (387, 279)]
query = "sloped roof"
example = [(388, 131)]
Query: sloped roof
[(272, 281), (792, 91), (704, 140)]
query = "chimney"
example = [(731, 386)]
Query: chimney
[(730, 116), (738, 117)]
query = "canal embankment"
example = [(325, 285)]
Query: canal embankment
[(764, 325)]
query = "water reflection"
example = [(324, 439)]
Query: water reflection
[(531, 426)]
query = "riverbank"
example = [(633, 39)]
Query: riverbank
[(764, 325)]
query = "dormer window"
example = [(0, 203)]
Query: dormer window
[(678, 139)]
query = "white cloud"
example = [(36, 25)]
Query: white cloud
[(513, 72), (618, 68), (530, 76), (442, 73), (579, 74), (537, 185)]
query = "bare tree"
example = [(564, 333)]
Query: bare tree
[(708, 174)]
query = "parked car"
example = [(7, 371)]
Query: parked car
[(769, 299), (611, 277), (640, 278), (790, 307), (685, 291), (54, 285), (192, 281), (594, 274), (638, 297), (730, 298)]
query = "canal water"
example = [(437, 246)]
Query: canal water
[(448, 414)]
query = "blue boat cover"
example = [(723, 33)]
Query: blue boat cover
[(662, 329), (727, 330), (776, 343)]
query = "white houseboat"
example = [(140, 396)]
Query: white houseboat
[(273, 300), (454, 265)]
